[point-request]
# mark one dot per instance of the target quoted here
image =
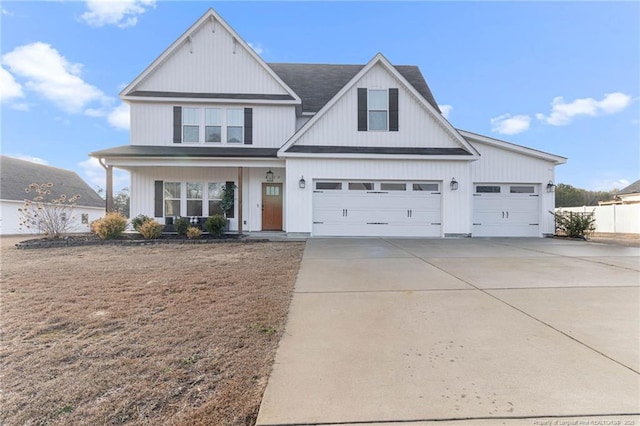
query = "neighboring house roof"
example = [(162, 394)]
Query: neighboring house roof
[(634, 188), (316, 84), (17, 175), (186, 151)]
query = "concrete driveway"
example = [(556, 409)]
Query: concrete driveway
[(460, 331)]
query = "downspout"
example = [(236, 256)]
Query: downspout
[(109, 189)]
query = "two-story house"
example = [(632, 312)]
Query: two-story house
[(324, 150)]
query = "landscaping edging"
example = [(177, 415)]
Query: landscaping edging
[(76, 242)]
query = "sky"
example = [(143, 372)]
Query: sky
[(561, 77)]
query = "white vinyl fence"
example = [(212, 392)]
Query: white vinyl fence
[(618, 219)]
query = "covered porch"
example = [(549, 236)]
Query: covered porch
[(171, 182)]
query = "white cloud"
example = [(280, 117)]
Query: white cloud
[(5, 12), (562, 113), (121, 13), (95, 174), (256, 47), (446, 110), (9, 87), (30, 158), (507, 124), (49, 74), (609, 184), (119, 117)]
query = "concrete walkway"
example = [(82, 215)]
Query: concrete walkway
[(468, 331)]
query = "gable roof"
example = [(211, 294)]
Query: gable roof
[(17, 175), (470, 136), (634, 188), (318, 83), (209, 16), (472, 153)]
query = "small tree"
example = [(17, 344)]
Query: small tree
[(575, 225), (228, 198), (47, 213)]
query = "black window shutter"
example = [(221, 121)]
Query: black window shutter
[(393, 110), (159, 198), (177, 124), (248, 126), (362, 109)]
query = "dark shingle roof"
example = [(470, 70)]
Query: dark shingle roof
[(391, 150), (186, 151), (16, 175), (631, 189), (316, 84)]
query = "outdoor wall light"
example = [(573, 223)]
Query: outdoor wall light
[(269, 176), (454, 184), (551, 187), (302, 183)]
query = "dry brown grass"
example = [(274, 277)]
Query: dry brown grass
[(163, 334)]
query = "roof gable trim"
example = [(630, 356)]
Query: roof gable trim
[(380, 59), (215, 19)]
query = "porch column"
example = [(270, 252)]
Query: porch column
[(109, 189), (240, 200)]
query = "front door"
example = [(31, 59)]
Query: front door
[(272, 207)]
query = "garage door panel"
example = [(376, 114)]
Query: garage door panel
[(347, 212), (506, 210)]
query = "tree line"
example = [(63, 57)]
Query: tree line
[(569, 196)]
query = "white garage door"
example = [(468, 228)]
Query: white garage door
[(506, 210), (376, 208)]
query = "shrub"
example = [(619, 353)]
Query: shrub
[(181, 225), (139, 220), (110, 226), (216, 225), (150, 229), (576, 225), (48, 212), (193, 233)]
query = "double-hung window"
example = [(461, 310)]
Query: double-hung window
[(194, 199), (213, 125), (172, 196), (235, 125), (191, 125), (378, 111), (215, 197)]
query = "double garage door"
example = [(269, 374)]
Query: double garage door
[(377, 208), (506, 210)]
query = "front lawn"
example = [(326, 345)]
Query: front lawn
[(161, 334)]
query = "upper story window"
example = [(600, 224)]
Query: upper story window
[(213, 125), (190, 125), (378, 108), (235, 125)]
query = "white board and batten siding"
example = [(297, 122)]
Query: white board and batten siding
[(454, 205), (208, 64), (339, 126), (152, 123), (504, 167)]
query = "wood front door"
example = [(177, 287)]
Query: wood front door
[(272, 207)]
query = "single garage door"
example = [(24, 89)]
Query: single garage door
[(376, 208), (506, 210)]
